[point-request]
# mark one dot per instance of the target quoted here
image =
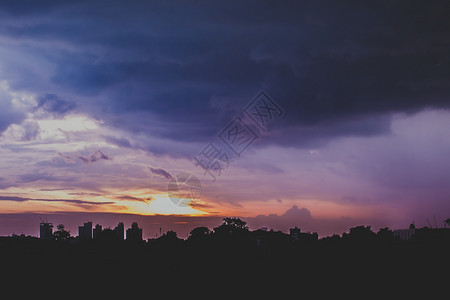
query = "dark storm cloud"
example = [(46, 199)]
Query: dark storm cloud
[(53, 104), (337, 68), (8, 113), (30, 131)]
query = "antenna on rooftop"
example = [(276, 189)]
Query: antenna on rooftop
[(43, 220)]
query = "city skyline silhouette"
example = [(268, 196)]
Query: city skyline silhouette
[(174, 146)]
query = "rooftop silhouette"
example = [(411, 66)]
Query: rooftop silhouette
[(235, 230)]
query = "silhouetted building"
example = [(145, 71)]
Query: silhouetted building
[(294, 233), (297, 235), (119, 231), (46, 231), (85, 231), (261, 238), (97, 231), (405, 234), (309, 236), (134, 233)]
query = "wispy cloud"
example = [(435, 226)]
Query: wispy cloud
[(32, 177), (161, 172), (118, 141), (67, 158), (131, 198), (75, 201), (96, 156), (85, 194), (13, 198)]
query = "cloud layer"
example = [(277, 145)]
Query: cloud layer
[(335, 68)]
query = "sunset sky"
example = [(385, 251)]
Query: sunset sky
[(103, 103)]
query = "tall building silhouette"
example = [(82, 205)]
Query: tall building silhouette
[(119, 231), (46, 231), (97, 230), (134, 233), (85, 231)]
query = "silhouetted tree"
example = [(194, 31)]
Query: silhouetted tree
[(61, 233), (168, 241), (235, 223), (199, 233), (361, 233), (447, 222), (385, 235), (233, 236), (331, 239), (232, 226), (171, 235)]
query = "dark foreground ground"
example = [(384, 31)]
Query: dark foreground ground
[(227, 266)]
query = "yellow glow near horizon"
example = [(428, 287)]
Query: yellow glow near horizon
[(161, 204)]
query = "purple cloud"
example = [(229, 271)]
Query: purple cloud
[(121, 142), (67, 158), (75, 201), (96, 156), (302, 218), (53, 104), (9, 114)]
